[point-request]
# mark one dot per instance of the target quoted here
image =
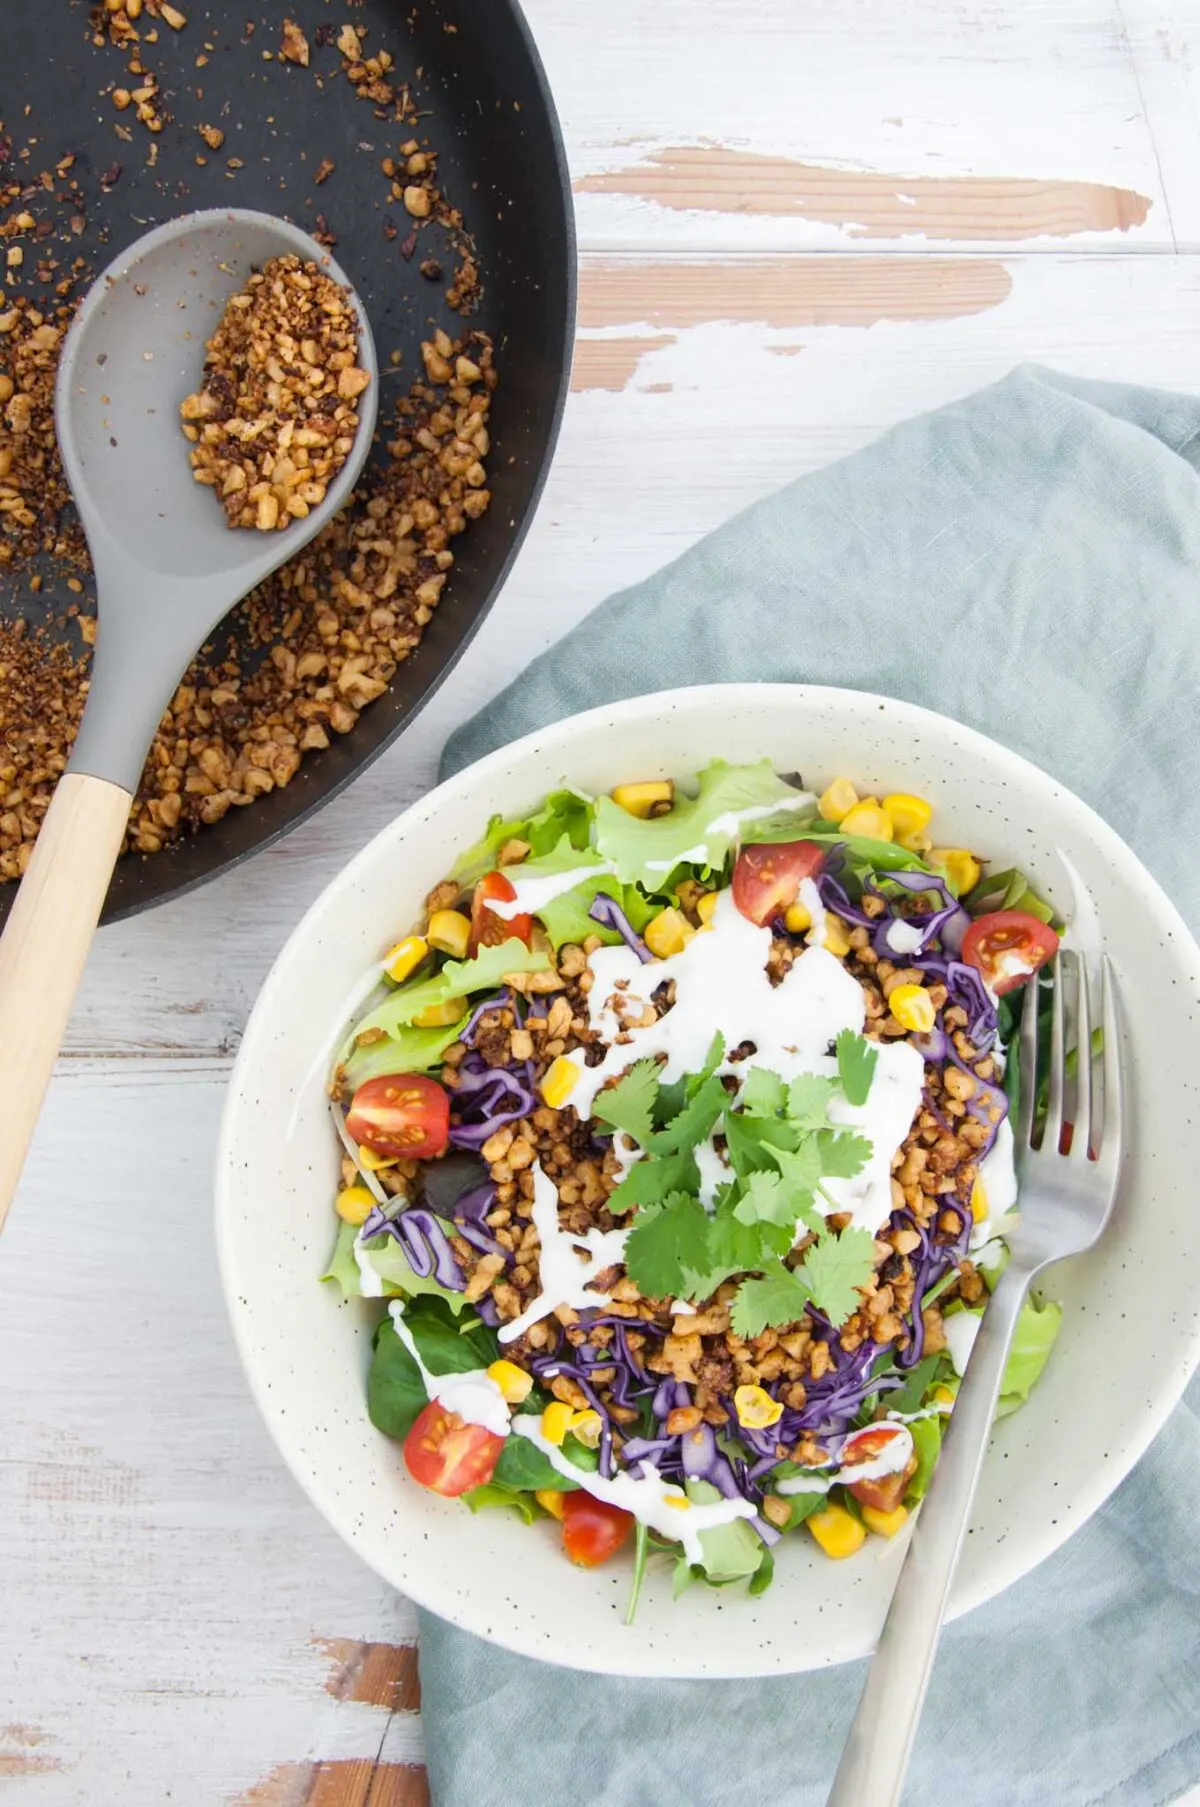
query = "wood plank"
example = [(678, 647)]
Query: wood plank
[(1003, 110)]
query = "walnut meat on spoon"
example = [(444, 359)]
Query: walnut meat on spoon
[(276, 416)]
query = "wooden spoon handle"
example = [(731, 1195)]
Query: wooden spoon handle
[(44, 947)]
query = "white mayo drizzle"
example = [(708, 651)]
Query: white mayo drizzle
[(903, 937), (729, 825), (998, 1177), (894, 1457), (533, 894), (645, 1494), (474, 1395), (562, 1274), (370, 1279), (721, 984), (942, 1410), (811, 898), (714, 1172), (960, 1331)]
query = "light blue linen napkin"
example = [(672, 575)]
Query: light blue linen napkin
[(1027, 560)]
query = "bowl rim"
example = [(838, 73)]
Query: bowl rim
[(1013, 1561)]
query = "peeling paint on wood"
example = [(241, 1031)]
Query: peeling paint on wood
[(21, 1753), (381, 1675), (353, 1782), (790, 291), (715, 178)]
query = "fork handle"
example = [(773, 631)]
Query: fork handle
[(874, 1761), (44, 947)]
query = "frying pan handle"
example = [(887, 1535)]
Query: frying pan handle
[(44, 947)]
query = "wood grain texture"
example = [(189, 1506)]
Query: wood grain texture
[(716, 178), (44, 946), (177, 1622)]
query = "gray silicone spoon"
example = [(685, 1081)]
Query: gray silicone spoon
[(167, 569)]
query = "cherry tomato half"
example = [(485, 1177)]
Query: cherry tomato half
[(404, 1114), (447, 1454), (592, 1530), (488, 929), (1006, 946), (886, 1492), (766, 880)]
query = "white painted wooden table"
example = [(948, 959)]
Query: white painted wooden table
[(798, 224)]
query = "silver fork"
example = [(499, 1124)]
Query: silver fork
[(1065, 1202)]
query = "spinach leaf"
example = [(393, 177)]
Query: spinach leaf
[(395, 1391), (523, 1468), (927, 1441)]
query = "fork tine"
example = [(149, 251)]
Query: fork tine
[(1111, 1142), (1052, 1134), (1085, 1111), (1027, 1069)]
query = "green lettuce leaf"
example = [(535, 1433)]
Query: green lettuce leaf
[(1009, 890), (390, 1262), (566, 812), (1037, 1331), (480, 1498), (457, 979), (927, 1441), (343, 1266), (728, 1552), (409, 1050), (646, 851)]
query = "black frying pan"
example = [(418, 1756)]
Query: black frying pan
[(474, 68)]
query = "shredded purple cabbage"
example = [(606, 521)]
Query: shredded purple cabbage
[(424, 1242), (486, 1098), (607, 911)]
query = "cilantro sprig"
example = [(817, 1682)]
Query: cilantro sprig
[(780, 1146)]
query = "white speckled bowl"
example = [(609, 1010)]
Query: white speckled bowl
[(1051, 1464)]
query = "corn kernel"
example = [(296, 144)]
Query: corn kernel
[(835, 937), (943, 1395), (560, 1081), (755, 1408), (450, 932), (370, 1162), (837, 801), (912, 1007), (680, 1501), (440, 1016), (797, 917), (514, 1383), (837, 1531), (959, 866), (884, 1524), (706, 906), (668, 933), (915, 840), (354, 1205), (550, 1500), (585, 1427), (642, 799), (909, 814), (870, 819), (979, 1201), (556, 1421), (405, 957)]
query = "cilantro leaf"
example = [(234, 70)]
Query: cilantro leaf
[(843, 1155), (628, 1104), (856, 1060), (735, 1247), (751, 1142), (778, 1297), (808, 1100), (800, 1170), (833, 1270), (667, 1244), (766, 1199), (651, 1181), (762, 1093), (695, 1121)]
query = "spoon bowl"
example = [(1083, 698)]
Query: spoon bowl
[(168, 568), (167, 565)]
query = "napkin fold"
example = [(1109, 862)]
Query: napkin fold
[(1027, 560)]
